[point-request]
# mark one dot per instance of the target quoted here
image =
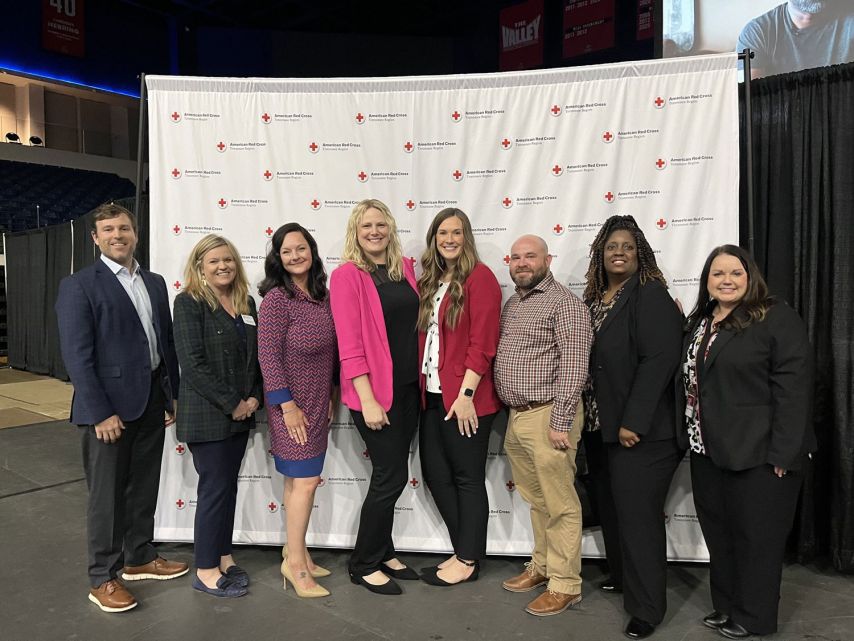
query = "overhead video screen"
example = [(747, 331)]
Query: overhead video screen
[(785, 36)]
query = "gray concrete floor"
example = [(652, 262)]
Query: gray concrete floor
[(44, 587)]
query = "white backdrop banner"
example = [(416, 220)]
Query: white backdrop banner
[(552, 153)]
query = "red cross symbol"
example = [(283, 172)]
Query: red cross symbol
[(176, 116), (180, 448), (505, 143), (268, 231), (176, 229), (661, 223), (221, 146), (510, 485), (410, 205), (557, 170), (456, 116), (315, 204), (506, 202), (558, 229), (660, 163), (222, 202), (177, 284), (321, 482), (609, 197), (414, 482), (265, 117), (272, 506), (313, 147), (267, 174), (179, 503), (408, 147), (555, 110), (457, 174), (360, 118), (607, 136), (366, 454), (507, 260), (175, 173), (659, 102), (362, 176)]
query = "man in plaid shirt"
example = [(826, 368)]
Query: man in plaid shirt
[(540, 370)]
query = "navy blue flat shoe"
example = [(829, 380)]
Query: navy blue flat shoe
[(224, 588), (237, 575)]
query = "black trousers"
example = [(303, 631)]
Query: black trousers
[(123, 479), (217, 464), (746, 517), (389, 452), (454, 468), (599, 483), (640, 480)]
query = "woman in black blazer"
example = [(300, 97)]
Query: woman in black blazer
[(630, 432), (747, 376), (217, 344)]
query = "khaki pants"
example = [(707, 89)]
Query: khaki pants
[(545, 477)]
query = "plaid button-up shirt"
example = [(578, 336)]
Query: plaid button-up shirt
[(544, 350)]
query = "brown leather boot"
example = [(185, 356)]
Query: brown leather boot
[(551, 602), (111, 596), (525, 582)]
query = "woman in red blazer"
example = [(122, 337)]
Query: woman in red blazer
[(458, 326)]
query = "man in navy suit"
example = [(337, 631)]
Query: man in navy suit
[(115, 332)]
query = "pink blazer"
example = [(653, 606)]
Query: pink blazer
[(360, 327)]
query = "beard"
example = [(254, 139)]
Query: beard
[(809, 6), (529, 280)]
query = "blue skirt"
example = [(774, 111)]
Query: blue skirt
[(301, 469)]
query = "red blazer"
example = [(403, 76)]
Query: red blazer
[(471, 345)]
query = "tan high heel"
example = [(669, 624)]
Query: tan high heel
[(306, 593), (317, 573)]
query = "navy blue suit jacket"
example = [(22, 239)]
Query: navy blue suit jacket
[(105, 349)]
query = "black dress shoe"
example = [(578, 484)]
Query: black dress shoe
[(389, 588), (432, 577), (404, 574), (609, 587), (715, 620), (638, 629), (732, 630)]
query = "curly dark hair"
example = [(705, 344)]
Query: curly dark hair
[(275, 275), (597, 279)]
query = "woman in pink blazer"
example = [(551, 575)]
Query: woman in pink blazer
[(375, 307), (458, 338)]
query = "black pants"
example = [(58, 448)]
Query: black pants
[(746, 517), (389, 452), (123, 480), (640, 480), (217, 464), (454, 467), (599, 482)]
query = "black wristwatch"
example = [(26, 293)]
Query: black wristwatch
[(468, 392)]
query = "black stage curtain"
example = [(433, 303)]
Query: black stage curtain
[(18, 315), (58, 244), (804, 242)]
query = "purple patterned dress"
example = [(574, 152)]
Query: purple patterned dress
[(298, 354)]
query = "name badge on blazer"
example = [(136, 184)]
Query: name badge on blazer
[(247, 318)]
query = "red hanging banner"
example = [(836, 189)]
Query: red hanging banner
[(521, 36), (588, 25), (63, 27)]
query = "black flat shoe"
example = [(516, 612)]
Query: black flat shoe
[(609, 587), (432, 577), (638, 629), (715, 620), (389, 588), (732, 630), (404, 574)]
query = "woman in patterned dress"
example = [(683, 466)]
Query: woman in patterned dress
[(297, 352)]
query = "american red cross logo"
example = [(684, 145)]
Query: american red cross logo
[(362, 176), (660, 164), (175, 173), (222, 202), (661, 223), (410, 205), (456, 116), (659, 102), (366, 454), (360, 118), (180, 504), (507, 259), (175, 116), (414, 482), (269, 231), (607, 136), (458, 175), (507, 202), (321, 481), (557, 170), (272, 506), (220, 145), (558, 229), (177, 284), (555, 110), (609, 197), (315, 204), (180, 448), (505, 144), (408, 147), (313, 147), (267, 175), (510, 485), (265, 117), (176, 229)]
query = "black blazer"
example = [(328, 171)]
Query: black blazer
[(755, 391), (634, 357), (218, 370)]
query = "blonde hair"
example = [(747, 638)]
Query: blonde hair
[(196, 285), (353, 252), (434, 266)]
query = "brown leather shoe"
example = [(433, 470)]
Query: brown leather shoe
[(551, 602), (525, 582), (111, 596), (159, 569)]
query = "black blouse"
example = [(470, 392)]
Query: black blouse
[(400, 313)]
